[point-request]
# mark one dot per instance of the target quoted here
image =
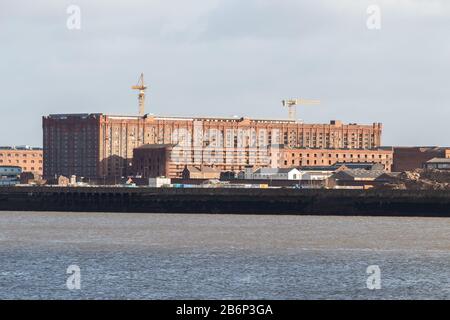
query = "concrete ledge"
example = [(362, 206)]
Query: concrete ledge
[(235, 201)]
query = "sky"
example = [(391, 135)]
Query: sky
[(226, 58)]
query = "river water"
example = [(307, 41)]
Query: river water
[(180, 256)]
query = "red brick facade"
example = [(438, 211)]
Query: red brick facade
[(97, 145), (151, 161), (30, 160), (327, 157), (411, 158)]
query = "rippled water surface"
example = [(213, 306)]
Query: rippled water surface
[(163, 256)]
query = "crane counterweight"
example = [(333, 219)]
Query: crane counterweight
[(292, 103)]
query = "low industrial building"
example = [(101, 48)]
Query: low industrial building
[(354, 178), (412, 158), (10, 175), (31, 178), (277, 174), (61, 181), (438, 164), (325, 172), (200, 172), (290, 157), (357, 175), (316, 173), (304, 173)]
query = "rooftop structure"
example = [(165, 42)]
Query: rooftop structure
[(200, 172), (277, 174), (438, 163), (358, 174)]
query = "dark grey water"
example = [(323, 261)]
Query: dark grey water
[(151, 256)]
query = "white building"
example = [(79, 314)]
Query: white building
[(159, 182), (276, 174), (312, 174)]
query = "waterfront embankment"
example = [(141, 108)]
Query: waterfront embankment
[(236, 201)]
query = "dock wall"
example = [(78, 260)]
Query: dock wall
[(233, 201)]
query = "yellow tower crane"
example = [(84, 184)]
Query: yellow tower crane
[(141, 97), (291, 104)]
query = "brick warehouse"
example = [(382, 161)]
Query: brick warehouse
[(98, 145), (326, 157), (153, 160), (28, 158), (411, 158)]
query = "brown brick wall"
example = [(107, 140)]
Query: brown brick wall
[(411, 158), (326, 157), (152, 162), (28, 160), (98, 145)]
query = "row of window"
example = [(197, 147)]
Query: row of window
[(24, 155), (351, 155), (23, 161), (323, 162)]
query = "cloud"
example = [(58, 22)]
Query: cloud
[(226, 57)]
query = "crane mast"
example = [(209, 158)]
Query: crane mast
[(291, 104), (141, 97)]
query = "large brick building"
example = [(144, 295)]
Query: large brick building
[(98, 145), (411, 158), (326, 157), (153, 160), (28, 158)]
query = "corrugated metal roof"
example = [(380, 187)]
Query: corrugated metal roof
[(155, 146), (439, 160)]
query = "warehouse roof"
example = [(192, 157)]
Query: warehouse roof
[(439, 160), (358, 174), (155, 146)]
